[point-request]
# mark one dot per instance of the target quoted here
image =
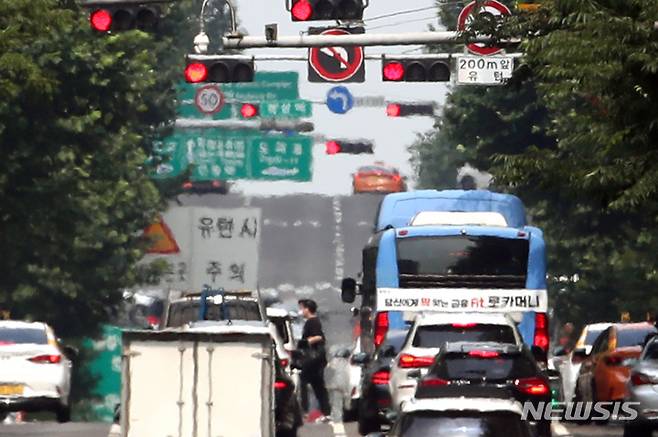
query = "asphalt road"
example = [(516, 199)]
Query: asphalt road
[(336, 430)]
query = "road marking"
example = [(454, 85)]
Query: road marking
[(338, 240), (560, 430), (339, 429)]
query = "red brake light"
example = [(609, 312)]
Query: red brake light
[(248, 110), (153, 320), (541, 338), (433, 382), (408, 361), (187, 185), (464, 325), (284, 362), (280, 385), (47, 359), (484, 354), (302, 10), (196, 72), (381, 327), (532, 386), (393, 110), (394, 71), (381, 378), (640, 379), (333, 147), (101, 20)]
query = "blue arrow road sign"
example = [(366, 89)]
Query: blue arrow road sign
[(340, 100)]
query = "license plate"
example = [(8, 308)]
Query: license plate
[(11, 390), (484, 70)]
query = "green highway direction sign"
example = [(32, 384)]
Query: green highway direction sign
[(230, 155), (281, 88)]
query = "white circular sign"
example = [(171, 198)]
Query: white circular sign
[(209, 99)]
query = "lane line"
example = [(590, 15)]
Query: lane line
[(338, 240)]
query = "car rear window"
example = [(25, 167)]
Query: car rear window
[(433, 336), (633, 337), (592, 335), (280, 325), (464, 367), (181, 313), (23, 336), (374, 169), (475, 424)]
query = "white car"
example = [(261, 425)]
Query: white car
[(569, 367), (431, 331), (464, 417), (281, 329), (35, 372)]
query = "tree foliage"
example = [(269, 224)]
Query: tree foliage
[(575, 134), (78, 114)]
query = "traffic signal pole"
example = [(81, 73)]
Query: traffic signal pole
[(351, 40)]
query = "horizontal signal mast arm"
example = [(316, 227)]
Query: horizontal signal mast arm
[(366, 40)]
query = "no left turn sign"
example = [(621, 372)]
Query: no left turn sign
[(336, 64), (209, 99)]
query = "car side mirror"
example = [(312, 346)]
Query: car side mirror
[(360, 359), (348, 290), (580, 353)]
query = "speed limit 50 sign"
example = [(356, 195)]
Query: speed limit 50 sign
[(209, 99)]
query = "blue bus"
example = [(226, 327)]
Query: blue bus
[(457, 268)]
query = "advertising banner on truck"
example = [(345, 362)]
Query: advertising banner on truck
[(462, 300)]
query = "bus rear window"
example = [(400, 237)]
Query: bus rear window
[(435, 336), (462, 256)]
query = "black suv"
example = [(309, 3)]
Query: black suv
[(487, 370)]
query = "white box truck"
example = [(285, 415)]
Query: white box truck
[(207, 381)]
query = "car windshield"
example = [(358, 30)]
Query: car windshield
[(592, 335), (465, 367), (476, 424), (433, 336), (181, 313), (633, 337), (374, 169), (462, 256), (23, 336)]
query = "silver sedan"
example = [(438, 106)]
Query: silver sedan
[(643, 388)]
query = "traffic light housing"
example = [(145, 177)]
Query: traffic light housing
[(323, 10), (219, 69), (409, 109), (415, 69), (122, 16), (335, 147)]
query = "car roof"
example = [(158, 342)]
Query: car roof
[(597, 326), (19, 324), (485, 405), (632, 326), (424, 319), (467, 346)]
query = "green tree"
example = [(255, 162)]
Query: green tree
[(78, 115)]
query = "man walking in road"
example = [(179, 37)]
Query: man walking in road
[(315, 358)]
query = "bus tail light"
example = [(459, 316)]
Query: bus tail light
[(381, 327), (541, 338)]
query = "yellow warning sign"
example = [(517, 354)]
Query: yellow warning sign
[(163, 241)]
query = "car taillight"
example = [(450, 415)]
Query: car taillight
[(484, 354), (280, 385), (381, 327), (46, 359), (541, 338), (284, 362), (614, 360), (640, 379), (464, 325), (408, 361), (532, 386), (433, 382), (381, 377)]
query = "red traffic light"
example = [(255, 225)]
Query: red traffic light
[(249, 110), (196, 72), (302, 10), (333, 147), (393, 110), (101, 20), (393, 71)]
